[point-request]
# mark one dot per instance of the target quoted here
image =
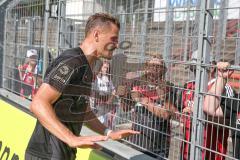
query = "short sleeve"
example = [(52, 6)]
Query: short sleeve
[(111, 86), (230, 106), (60, 75)]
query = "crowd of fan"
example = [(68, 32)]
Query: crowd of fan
[(153, 102)]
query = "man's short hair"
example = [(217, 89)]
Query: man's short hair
[(100, 19)]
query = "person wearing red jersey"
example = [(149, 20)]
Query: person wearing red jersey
[(152, 101), (27, 74), (213, 144), (213, 104)]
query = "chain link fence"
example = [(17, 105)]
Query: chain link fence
[(188, 36)]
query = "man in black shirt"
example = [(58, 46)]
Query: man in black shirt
[(217, 106), (234, 114), (61, 103)]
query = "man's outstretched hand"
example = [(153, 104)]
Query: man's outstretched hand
[(117, 135), (87, 141), (90, 141)]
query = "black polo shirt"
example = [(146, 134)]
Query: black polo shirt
[(232, 110), (71, 75)]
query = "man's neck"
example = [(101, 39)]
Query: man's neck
[(89, 51)]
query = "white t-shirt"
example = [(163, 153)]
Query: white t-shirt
[(104, 86)]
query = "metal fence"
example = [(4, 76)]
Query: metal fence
[(172, 29)]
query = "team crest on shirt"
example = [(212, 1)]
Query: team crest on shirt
[(188, 92), (62, 73), (64, 70), (238, 122)]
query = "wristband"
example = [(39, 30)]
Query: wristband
[(107, 132)]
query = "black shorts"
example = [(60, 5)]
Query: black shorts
[(32, 157)]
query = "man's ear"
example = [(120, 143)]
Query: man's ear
[(96, 35)]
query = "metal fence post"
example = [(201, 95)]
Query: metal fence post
[(221, 28), (168, 34), (30, 32), (196, 27), (15, 48), (237, 53), (45, 50), (59, 41), (204, 43), (122, 19), (144, 32), (58, 26), (186, 39), (2, 14), (4, 49), (62, 27)]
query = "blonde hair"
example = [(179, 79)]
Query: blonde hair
[(158, 60)]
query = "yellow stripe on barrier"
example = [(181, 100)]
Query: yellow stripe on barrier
[(16, 128)]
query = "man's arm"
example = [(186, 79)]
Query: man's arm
[(164, 112), (93, 123), (212, 102), (42, 107), (20, 72), (111, 98)]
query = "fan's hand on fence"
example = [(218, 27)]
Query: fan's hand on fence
[(223, 71), (187, 110)]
